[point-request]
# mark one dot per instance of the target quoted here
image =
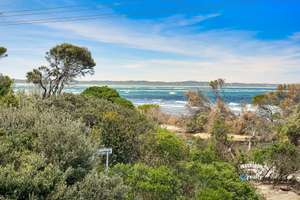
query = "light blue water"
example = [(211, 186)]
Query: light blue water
[(172, 98)]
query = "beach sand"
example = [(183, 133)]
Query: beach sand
[(271, 193)]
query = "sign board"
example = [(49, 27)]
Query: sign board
[(104, 151)]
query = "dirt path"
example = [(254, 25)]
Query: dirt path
[(271, 193)]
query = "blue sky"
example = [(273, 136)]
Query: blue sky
[(166, 40)]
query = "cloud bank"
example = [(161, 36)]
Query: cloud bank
[(179, 47)]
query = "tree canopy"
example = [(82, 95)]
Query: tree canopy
[(216, 86), (3, 52), (5, 85), (107, 93), (65, 63)]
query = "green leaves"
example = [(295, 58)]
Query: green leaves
[(148, 182), (163, 148), (283, 156), (108, 94), (97, 186), (5, 85), (2, 51), (66, 62), (292, 127), (7, 96), (47, 151)]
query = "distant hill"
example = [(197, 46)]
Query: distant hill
[(162, 83)]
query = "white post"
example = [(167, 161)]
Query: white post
[(106, 162), (103, 152)]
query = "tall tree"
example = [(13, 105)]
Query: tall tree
[(216, 86), (5, 85), (3, 52), (65, 63)]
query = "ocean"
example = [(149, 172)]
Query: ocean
[(171, 98)]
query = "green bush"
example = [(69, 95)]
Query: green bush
[(108, 94), (163, 148), (292, 127), (117, 127), (214, 194), (94, 186), (47, 151), (207, 154), (149, 183), (54, 134), (147, 107), (5, 85), (213, 181), (7, 97), (283, 156), (29, 175), (197, 123), (9, 100)]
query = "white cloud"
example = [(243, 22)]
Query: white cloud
[(238, 55), (189, 54), (295, 36)]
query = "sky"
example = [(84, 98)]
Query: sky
[(159, 40)]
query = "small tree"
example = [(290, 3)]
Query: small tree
[(216, 86), (96, 186), (284, 157), (163, 148), (149, 183), (199, 107), (5, 85), (292, 127), (197, 100), (219, 131), (108, 94), (3, 52), (66, 62)]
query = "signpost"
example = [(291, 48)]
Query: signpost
[(105, 151)]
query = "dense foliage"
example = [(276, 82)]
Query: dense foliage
[(7, 96), (2, 51), (284, 157), (108, 94), (65, 63), (5, 85), (49, 144), (47, 150)]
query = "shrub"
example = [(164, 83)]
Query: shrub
[(213, 181), (5, 85), (197, 123), (163, 148), (283, 156), (28, 176), (147, 107), (7, 97), (118, 127), (62, 141), (149, 183), (206, 154), (292, 127), (95, 186), (9, 100), (108, 94), (219, 131)]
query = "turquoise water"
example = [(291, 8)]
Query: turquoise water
[(172, 98)]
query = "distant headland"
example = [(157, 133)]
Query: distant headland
[(163, 83)]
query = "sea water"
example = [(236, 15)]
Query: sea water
[(172, 99)]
